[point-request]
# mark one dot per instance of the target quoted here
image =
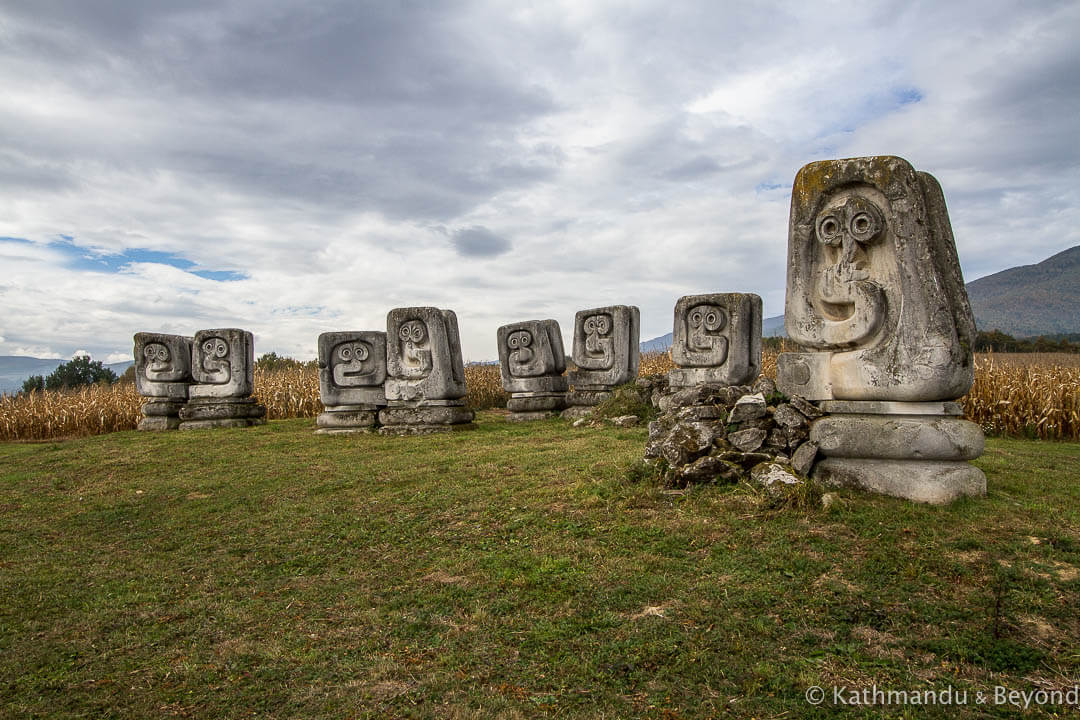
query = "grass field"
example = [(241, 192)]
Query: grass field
[(510, 571)]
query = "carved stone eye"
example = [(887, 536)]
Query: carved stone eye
[(603, 324), (714, 319), (221, 349), (512, 341), (418, 332), (590, 324), (405, 331), (526, 338), (360, 352), (345, 353), (829, 230), (149, 352), (864, 226), (208, 347), (695, 318)]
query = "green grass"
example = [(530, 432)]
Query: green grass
[(513, 571)]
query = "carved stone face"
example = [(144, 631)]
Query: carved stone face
[(703, 332), (214, 354), (521, 355), (423, 355), (350, 363), (598, 341), (223, 363), (159, 366), (849, 297), (352, 367), (874, 286), (415, 349), (605, 346), (531, 356), (162, 361), (716, 338)]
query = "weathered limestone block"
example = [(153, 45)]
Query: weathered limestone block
[(606, 346), (606, 352), (716, 339), (874, 286), (352, 371), (223, 367), (531, 364), (876, 297), (162, 375), (425, 385), (423, 355)]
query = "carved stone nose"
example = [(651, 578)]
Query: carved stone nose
[(524, 355)]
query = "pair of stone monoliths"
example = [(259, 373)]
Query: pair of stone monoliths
[(197, 382)]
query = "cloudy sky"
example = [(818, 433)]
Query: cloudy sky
[(293, 168)]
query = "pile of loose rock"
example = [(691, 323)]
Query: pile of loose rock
[(721, 433)]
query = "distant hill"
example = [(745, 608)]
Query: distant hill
[(15, 368), (1041, 299)]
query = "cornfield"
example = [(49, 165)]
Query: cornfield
[(1026, 395)]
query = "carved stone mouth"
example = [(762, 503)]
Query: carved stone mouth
[(837, 311)]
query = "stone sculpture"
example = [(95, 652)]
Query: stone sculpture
[(716, 339), (162, 376), (606, 354), (531, 364), (425, 385), (222, 366), (352, 370), (875, 294)]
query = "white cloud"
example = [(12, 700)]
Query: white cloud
[(505, 161)]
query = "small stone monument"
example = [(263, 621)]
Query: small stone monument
[(716, 340), (876, 297), (606, 354), (352, 370), (532, 363), (162, 375), (425, 385), (223, 367)]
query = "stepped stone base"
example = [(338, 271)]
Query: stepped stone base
[(221, 413), (915, 451), (424, 419), (524, 407), (160, 414), (583, 399), (347, 420)]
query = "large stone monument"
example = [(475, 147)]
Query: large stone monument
[(352, 370), (875, 296), (606, 354), (716, 339), (425, 385), (532, 363), (162, 376), (223, 367)]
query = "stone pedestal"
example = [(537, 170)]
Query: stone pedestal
[(161, 414), (582, 400), (221, 413), (525, 406), (424, 418), (347, 419), (912, 450)]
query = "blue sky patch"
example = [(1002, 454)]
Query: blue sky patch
[(81, 258)]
